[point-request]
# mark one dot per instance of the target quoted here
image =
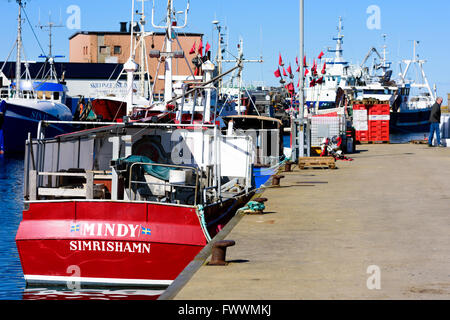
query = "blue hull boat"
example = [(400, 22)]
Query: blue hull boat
[(22, 117)]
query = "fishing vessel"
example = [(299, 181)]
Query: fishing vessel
[(324, 88), (118, 205), (131, 203), (26, 102), (340, 81), (411, 109)]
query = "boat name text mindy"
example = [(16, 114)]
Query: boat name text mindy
[(118, 230)]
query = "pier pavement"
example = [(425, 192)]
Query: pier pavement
[(323, 230)]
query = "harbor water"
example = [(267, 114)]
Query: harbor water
[(12, 283)]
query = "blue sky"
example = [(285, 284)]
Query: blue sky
[(267, 27)]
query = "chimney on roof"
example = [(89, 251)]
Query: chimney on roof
[(123, 27)]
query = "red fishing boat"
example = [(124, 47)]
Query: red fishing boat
[(100, 211), (132, 203)]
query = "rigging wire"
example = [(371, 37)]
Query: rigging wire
[(32, 29)]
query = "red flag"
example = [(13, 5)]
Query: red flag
[(324, 68), (320, 80), (200, 48), (296, 60), (312, 83), (314, 67), (291, 87), (284, 72), (207, 47), (280, 61), (277, 73), (298, 69), (320, 55), (304, 61), (306, 72), (192, 49), (289, 70), (298, 83)]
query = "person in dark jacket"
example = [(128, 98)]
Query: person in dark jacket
[(2, 119), (435, 119)]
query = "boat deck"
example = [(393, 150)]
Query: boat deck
[(322, 229)]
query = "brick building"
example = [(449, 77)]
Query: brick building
[(114, 47)]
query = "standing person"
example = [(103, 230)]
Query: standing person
[(435, 119), (2, 119)]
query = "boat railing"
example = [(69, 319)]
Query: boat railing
[(6, 93), (166, 186), (55, 188)]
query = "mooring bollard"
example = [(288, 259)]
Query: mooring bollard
[(276, 180), (260, 200), (219, 252), (287, 166)]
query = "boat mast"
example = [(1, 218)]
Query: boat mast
[(143, 53), (240, 62), (168, 55), (219, 56), (420, 63), (168, 85), (50, 58), (339, 57), (19, 47), (130, 66)]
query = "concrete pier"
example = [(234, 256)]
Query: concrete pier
[(323, 230)]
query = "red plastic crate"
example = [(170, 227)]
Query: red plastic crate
[(359, 107), (379, 109)]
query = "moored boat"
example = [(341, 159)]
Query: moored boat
[(26, 102), (131, 203)]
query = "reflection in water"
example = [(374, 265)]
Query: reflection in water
[(90, 294), (11, 200)]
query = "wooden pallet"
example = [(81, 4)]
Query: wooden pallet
[(373, 142), (369, 101), (316, 162), (418, 141)]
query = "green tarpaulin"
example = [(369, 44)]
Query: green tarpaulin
[(155, 171)]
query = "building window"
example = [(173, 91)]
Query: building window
[(103, 50), (117, 49)]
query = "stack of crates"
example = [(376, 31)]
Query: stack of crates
[(371, 122), (360, 123), (379, 122)]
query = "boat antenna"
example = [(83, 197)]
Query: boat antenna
[(50, 57)]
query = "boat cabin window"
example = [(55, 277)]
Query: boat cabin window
[(48, 95), (374, 91), (404, 91), (40, 95), (55, 95)]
